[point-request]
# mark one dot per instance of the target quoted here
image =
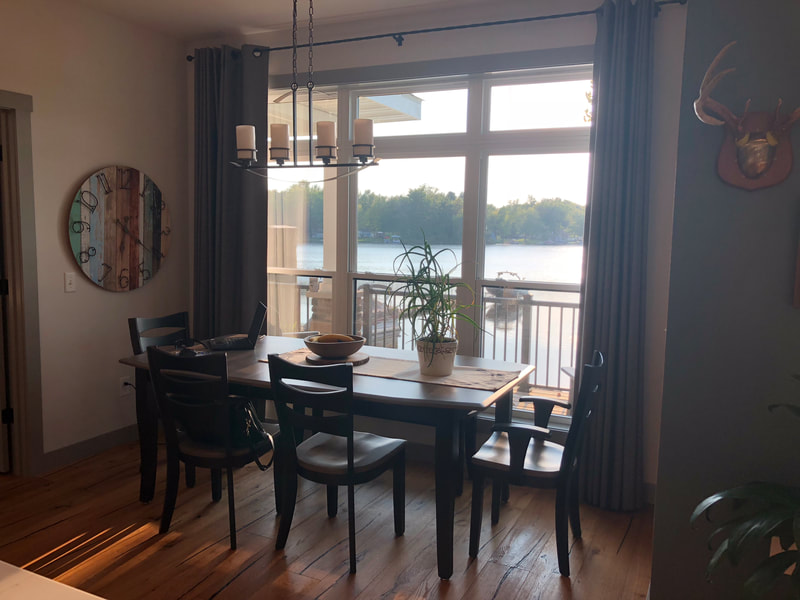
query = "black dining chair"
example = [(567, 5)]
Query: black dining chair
[(523, 454), (201, 422), (158, 331), (334, 454)]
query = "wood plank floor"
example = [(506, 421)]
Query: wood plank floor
[(84, 526)]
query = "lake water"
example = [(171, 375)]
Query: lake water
[(560, 264), (554, 340)]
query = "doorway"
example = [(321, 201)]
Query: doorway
[(6, 414)]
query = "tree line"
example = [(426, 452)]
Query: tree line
[(382, 218)]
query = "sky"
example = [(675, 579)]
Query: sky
[(529, 106)]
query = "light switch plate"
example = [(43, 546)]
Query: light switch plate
[(69, 283)]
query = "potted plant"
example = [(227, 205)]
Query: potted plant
[(429, 302), (758, 512)]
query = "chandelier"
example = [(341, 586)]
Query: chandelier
[(325, 149)]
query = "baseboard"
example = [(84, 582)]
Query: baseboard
[(67, 455)]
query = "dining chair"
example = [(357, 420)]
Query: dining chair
[(200, 421), (523, 454), (334, 454), (159, 331), (150, 331)]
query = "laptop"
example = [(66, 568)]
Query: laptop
[(241, 341)]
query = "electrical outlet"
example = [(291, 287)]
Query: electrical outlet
[(69, 282), (125, 385)]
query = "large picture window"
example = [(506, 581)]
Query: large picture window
[(494, 167)]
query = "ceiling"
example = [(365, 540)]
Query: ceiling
[(193, 19)]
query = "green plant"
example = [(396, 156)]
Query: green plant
[(429, 296), (758, 512)]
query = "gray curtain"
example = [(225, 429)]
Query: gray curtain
[(230, 233), (615, 244)]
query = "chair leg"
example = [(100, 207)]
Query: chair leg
[(333, 500), (459, 480), (216, 485), (351, 514), (573, 498), (191, 476), (231, 508), (399, 494), (562, 531), (277, 481), (477, 513), (288, 500), (497, 493), (470, 431), (171, 495)]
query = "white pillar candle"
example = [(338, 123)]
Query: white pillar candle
[(362, 132), (326, 133), (245, 137), (279, 132), (245, 142)]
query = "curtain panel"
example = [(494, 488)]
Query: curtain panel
[(616, 251), (230, 228)]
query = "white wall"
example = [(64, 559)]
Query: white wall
[(104, 92), (670, 31), (561, 33)]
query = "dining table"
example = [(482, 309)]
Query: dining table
[(441, 403)]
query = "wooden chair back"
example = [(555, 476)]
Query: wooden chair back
[(326, 390), (592, 377), (140, 327), (192, 396)]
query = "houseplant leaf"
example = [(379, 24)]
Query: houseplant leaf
[(769, 572)]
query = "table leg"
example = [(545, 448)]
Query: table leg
[(503, 413), (147, 423), (446, 456)]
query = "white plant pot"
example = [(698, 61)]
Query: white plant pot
[(436, 360)]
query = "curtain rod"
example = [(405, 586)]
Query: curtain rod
[(399, 36)]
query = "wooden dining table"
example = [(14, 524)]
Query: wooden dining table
[(443, 407)]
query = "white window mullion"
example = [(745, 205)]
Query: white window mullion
[(472, 231)]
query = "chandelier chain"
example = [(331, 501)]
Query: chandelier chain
[(294, 44), (310, 44)]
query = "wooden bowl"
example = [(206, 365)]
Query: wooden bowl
[(334, 349)]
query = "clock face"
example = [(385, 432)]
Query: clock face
[(119, 228)]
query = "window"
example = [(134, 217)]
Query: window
[(493, 166)]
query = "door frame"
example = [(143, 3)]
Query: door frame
[(23, 299)]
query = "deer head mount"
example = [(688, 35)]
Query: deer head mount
[(757, 151)]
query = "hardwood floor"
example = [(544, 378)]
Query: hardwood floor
[(84, 526)]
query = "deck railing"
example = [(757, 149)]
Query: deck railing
[(530, 326)]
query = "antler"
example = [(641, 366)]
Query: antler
[(705, 103)]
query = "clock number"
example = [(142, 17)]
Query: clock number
[(145, 273), (101, 177), (89, 200), (85, 255), (124, 178), (80, 226), (107, 268), (123, 280), (157, 207), (166, 231)]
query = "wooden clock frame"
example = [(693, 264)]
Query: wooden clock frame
[(119, 228)]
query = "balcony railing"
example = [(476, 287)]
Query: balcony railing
[(530, 326)]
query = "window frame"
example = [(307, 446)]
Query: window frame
[(476, 145)]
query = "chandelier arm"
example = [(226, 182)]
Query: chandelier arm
[(310, 84)]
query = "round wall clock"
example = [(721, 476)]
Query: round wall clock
[(119, 228)]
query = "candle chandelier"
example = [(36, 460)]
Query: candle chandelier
[(325, 149)]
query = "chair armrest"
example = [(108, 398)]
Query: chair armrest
[(543, 408), (519, 436), (523, 429)]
